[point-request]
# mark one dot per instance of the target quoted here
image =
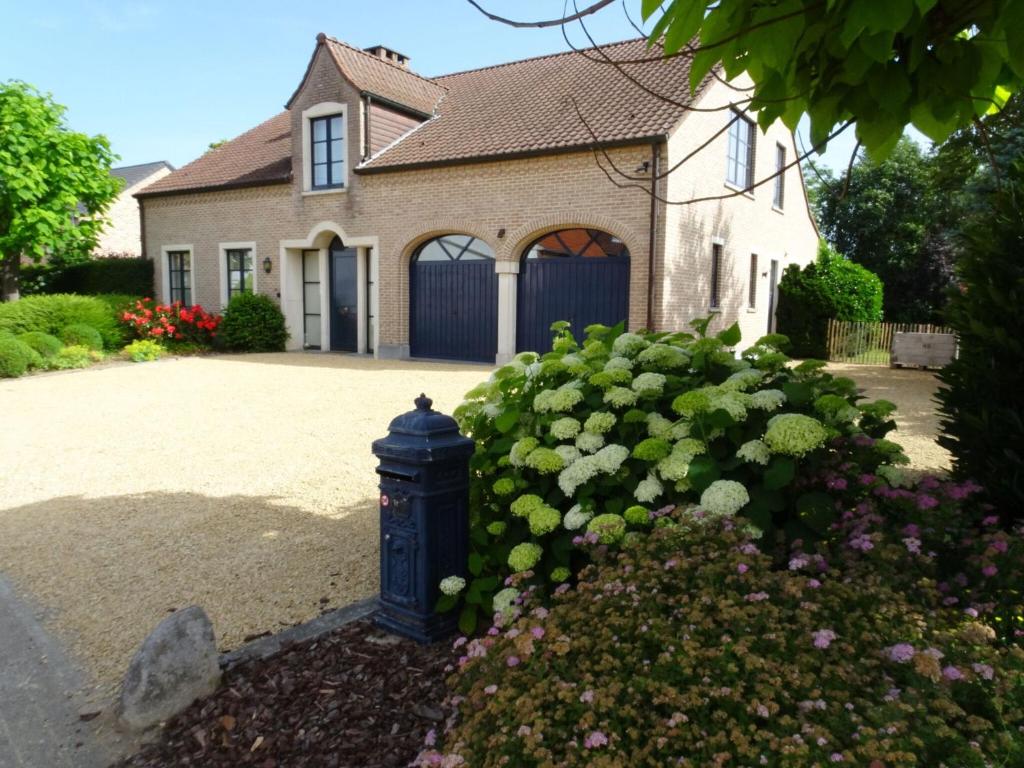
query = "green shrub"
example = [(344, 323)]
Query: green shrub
[(833, 287), (97, 276), (82, 335), (571, 441), (74, 357), (980, 395), (52, 314), (253, 323), (143, 351), (15, 357), (46, 345), (690, 648)]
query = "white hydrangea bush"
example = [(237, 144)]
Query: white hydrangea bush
[(627, 424)]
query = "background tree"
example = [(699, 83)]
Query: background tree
[(55, 183), (887, 216)]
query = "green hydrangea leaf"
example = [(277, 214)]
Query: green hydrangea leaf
[(780, 473)]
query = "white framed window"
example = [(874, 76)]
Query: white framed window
[(177, 274), (237, 268), (325, 148), (739, 167), (779, 198)]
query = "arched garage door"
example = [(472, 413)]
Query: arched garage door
[(579, 275), (453, 291)]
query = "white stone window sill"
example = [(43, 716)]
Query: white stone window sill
[(745, 192), (332, 191), (751, 310), (777, 209)]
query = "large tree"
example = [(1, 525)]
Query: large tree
[(55, 183)]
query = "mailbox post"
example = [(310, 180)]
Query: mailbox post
[(424, 519)]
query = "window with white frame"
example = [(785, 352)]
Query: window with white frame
[(780, 179), (739, 170), (327, 142), (179, 274), (239, 268)]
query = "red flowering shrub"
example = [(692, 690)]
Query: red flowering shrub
[(171, 323)]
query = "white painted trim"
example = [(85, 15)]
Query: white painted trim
[(508, 288), (323, 109), (165, 271), (718, 241), (222, 266)]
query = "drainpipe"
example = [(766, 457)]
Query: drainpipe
[(367, 100), (653, 242)]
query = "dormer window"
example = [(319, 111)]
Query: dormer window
[(328, 157)]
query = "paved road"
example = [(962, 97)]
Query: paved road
[(39, 720)]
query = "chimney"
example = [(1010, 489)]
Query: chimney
[(388, 54)]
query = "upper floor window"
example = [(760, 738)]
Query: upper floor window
[(179, 272), (239, 261), (780, 180), (739, 169), (327, 141)]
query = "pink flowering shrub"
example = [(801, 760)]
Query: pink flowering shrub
[(668, 652)]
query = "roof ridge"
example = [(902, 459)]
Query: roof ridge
[(391, 64), (539, 57), (139, 165)]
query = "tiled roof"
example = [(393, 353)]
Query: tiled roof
[(527, 106), (391, 81), (519, 108), (262, 155), (133, 174)]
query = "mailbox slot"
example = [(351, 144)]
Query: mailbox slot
[(398, 473)]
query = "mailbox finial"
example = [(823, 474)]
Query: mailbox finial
[(423, 402)]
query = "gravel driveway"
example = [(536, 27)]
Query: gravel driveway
[(243, 484)]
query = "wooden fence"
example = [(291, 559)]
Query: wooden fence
[(869, 343)]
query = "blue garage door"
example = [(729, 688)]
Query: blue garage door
[(453, 293), (578, 275)]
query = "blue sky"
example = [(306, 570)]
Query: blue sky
[(163, 79)]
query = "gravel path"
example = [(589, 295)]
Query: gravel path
[(243, 484), (913, 391)]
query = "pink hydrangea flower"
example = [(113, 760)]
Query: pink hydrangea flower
[(742, 568), (813, 583), (952, 673), (513, 661), (537, 632), (595, 739), (823, 638), (490, 690), (983, 670), (901, 653), (990, 520), (524, 730), (990, 570), (431, 738), (1000, 546), (587, 697)]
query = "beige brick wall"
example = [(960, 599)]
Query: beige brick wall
[(524, 197), (123, 233), (746, 223)]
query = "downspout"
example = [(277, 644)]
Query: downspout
[(653, 242), (367, 100)]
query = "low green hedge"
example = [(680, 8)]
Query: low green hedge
[(15, 357), (52, 314), (98, 276), (82, 335), (253, 323), (46, 345)]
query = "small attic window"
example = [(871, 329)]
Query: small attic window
[(327, 141)]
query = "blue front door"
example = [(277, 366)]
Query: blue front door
[(344, 298)]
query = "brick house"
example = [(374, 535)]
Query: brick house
[(458, 216), (123, 236)]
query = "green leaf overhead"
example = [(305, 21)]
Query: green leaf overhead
[(881, 65)]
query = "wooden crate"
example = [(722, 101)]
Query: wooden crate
[(923, 350)]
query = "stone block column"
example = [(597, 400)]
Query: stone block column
[(508, 284)]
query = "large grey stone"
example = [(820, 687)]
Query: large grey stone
[(177, 664)]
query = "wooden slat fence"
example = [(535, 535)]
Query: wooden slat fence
[(869, 343)]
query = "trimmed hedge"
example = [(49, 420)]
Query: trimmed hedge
[(52, 314), (109, 275), (832, 288), (46, 345), (15, 357), (82, 335), (253, 323)]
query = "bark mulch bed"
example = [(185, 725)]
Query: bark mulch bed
[(358, 697)]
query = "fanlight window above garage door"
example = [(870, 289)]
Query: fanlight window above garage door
[(578, 244), (455, 248)]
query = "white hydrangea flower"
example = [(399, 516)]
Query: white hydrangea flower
[(629, 344), (557, 400), (565, 428), (532, 370), (569, 453), (767, 399), (673, 467), (620, 397), (576, 518), (619, 363), (574, 363), (588, 442), (724, 498), (664, 356), (492, 410), (649, 384), (520, 450), (743, 380), (525, 358), (452, 585), (504, 600), (576, 474), (733, 403), (610, 458), (648, 489), (755, 452), (599, 422), (794, 434), (679, 430), (658, 425)]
